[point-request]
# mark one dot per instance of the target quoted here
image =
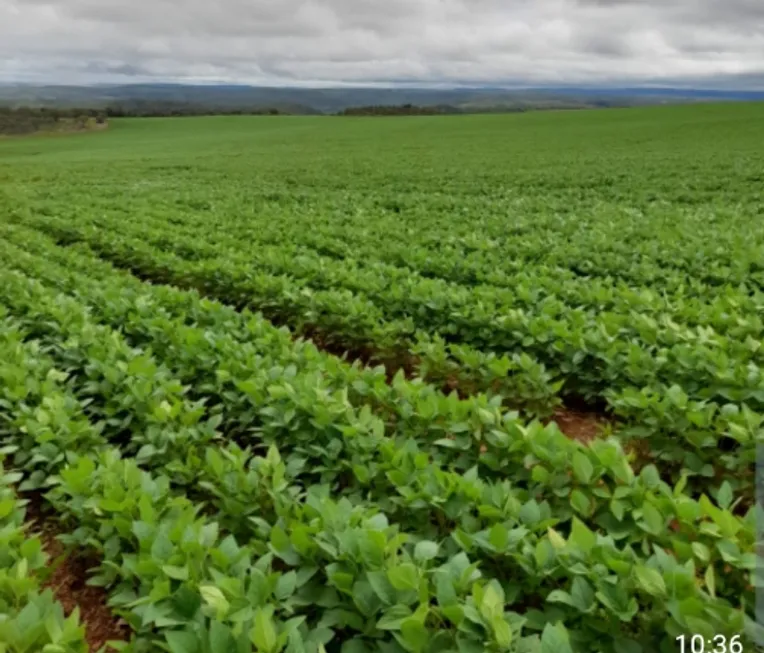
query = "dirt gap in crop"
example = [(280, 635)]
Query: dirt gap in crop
[(69, 581)]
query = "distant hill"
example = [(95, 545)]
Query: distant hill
[(308, 101)]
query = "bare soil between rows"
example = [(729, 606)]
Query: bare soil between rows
[(583, 426), (69, 581)]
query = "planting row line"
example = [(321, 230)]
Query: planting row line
[(593, 353), (519, 379), (469, 242), (532, 284), (256, 396), (683, 435)]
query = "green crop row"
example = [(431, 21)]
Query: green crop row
[(595, 353), (177, 577), (536, 288), (384, 465), (30, 618), (733, 308), (589, 257), (684, 434)]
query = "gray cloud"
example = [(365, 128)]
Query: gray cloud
[(267, 41)]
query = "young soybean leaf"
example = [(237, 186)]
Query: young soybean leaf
[(214, 597), (415, 635), (263, 634), (182, 642), (650, 580), (725, 495), (582, 468), (286, 585), (555, 639), (404, 577), (425, 551), (381, 586), (221, 638), (502, 632)]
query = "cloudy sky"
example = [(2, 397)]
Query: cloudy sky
[(316, 41)]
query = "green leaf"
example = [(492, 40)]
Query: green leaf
[(365, 599), (214, 596), (502, 632), (560, 596), (710, 579), (650, 580), (263, 633), (221, 638), (582, 468), (492, 604), (454, 613), (320, 636), (181, 642), (580, 502), (7, 506), (187, 602), (446, 443), (469, 645), (176, 573), (445, 591), (143, 531), (498, 537), (404, 577), (304, 574), (381, 586), (530, 513), (650, 476), (415, 635), (354, 646), (555, 639), (557, 540), (282, 546), (725, 495), (701, 551), (425, 551), (581, 537), (162, 548), (653, 519), (582, 594), (540, 475), (543, 553), (393, 618), (286, 585)]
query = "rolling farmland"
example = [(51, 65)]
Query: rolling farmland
[(475, 383)]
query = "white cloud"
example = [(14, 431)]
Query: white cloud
[(295, 41)]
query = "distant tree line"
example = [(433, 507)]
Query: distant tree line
[(399, 110), (26, 120), (16, 121), (29, 120), (158, 109)]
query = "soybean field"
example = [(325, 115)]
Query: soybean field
[(464, 384)]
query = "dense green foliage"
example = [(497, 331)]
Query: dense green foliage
[(249, 490), (25, 120)]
